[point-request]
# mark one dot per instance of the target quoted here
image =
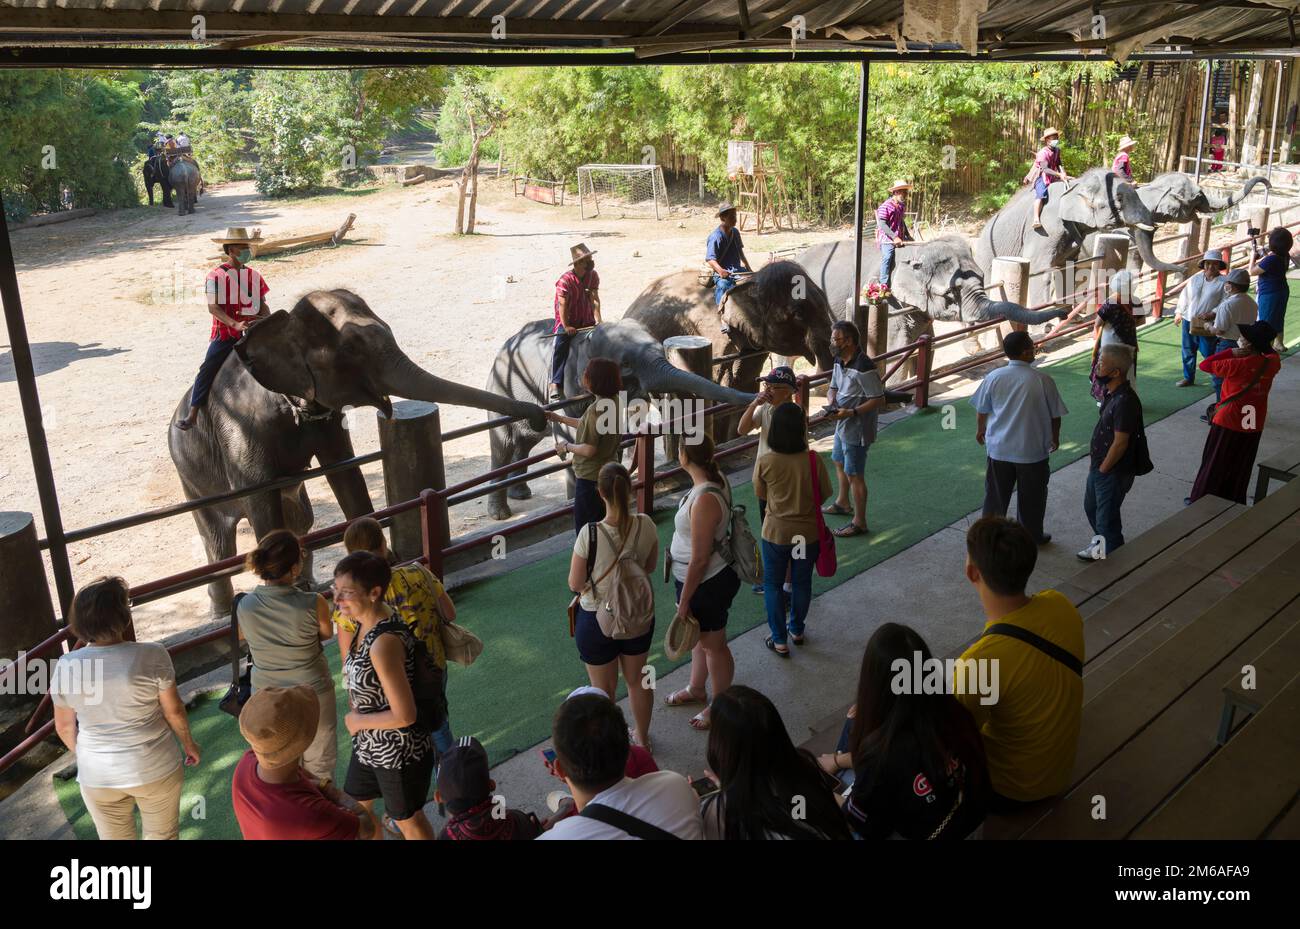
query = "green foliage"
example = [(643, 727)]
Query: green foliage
[(65, 140), (472, 106), (212, 108)]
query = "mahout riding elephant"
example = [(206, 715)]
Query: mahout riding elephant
[(934, 280), (155, 172), (779, 309), (522, 371), (279, 401), (1097, 201)]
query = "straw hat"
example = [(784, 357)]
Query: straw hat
[(682, 636), (1048, 133), (579, 252), (280, 722), (1127, 142), (900, 185), (238, 235), (726, 207)]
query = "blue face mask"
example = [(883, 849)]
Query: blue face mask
[(245, 256)]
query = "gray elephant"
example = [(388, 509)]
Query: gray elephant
[(1097, 201), (1175, 197), (278, 402), (935, 280), (522, 372), (183, 177), (779, 309)]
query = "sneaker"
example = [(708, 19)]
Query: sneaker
[(1085, 555), (1185, 383), (757, 588), (1046, 537)]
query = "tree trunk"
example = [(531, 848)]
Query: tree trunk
[(473, 179), (463, 186), (1249, 143), (1288, 101), (1230, 153)]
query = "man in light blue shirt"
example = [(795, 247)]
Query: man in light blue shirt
[(1019, 423)]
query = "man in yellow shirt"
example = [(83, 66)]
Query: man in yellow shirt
[(1031, 722)]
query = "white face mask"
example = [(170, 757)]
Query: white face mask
[(1055, 143)]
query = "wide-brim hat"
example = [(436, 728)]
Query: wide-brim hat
[(682, 636), (1212, 254), (726, 207), (238, 235), (1239, 277), (1127, 142), (1259, 334), (279, 723), (1048, 133), (900, 185), (579, 252)]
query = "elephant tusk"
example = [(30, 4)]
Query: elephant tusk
[(1145, 227)]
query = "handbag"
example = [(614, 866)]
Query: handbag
[(458, 643), (241, 685), (826, 563)]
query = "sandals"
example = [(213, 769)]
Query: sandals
[(772, 646), (699, 722), (834, 509), (850, 530), (631, 735), (796, 639), (676, 699)]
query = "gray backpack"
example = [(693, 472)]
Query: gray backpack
[(738, 547)]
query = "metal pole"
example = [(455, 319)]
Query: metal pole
[(864, 84), (1272, 135), (1205, 105), (25, 374)]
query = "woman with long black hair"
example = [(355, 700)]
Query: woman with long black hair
[(769, 788), (918, 759)]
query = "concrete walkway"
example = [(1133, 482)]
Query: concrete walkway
[(923, 586)]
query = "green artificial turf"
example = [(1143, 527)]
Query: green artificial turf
[(925, 472)]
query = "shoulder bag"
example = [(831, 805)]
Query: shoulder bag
[(826, 563), (576, 602)]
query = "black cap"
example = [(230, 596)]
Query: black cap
[(1259, 334), (781, 374), (463, 778)]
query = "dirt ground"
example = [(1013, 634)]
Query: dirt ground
[(118, 328)]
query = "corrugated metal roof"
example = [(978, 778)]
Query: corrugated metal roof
[(998, 28)]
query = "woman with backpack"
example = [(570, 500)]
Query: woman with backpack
[(613, 619), (706, 583), (392, 754), (785, 477)]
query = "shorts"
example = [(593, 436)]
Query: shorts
[(404, 790), (712, 599), (1040, 188), (853, 458), (596, 648)]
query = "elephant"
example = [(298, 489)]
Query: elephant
[(279, 400), (184, 179), (155, 172), (522, 371), (1175, 197), (778, 310), (1097, 201), (935, 280)]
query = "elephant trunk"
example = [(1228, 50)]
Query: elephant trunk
[(1217, 203), (403, 377), (657, 375), (1142, 238), (977, 307)]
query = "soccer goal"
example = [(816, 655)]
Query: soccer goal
[(626, 188)]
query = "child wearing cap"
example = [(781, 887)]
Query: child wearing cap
[(466, 788)]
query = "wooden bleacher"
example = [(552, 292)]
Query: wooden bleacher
[(1170, 620), (1279, 467)]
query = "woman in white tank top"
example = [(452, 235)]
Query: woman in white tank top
[(706, 584)]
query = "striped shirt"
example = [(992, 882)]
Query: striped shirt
[(890, 221)]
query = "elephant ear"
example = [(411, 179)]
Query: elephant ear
[(273, 353)]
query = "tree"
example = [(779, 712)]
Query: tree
[(475, 102)]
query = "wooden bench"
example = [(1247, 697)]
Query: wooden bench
[(1271, 668), (1279, 467), (1245, 788)]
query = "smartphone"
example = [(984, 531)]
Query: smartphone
[(548, 755), (704, 787)]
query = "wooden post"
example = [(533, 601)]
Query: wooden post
[(1158, 300), (26, 610), (1191, 244), (411, 441), (1012, 274), (1258, 219), (644, 452), (1206, 226), (924, 368), (1111, 250), (434, 535), (693, 353)]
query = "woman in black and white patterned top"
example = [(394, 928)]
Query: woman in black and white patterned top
[(392, 757)]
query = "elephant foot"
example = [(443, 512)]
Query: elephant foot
[(519, 492), (499, 511)]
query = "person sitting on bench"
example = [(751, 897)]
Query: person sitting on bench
[(1031, 653)]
